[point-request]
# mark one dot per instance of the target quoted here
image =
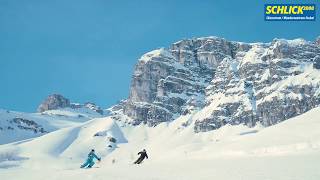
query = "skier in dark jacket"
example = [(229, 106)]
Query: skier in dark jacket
[(143, 154), (89, 163)]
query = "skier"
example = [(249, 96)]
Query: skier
[(89, 163), (143, 154)]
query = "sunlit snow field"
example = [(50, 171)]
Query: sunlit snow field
[(287, 151)]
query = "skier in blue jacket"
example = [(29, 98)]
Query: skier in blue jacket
[(89, 163)]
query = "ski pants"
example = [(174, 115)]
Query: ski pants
[(88, 163), (139, 160)]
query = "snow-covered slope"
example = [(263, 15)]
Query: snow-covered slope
[(54, 112), (15, 126), (288, 150)]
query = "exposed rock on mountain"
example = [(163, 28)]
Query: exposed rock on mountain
[(89, 105), (225, 82), (57, 101), (93, 107), (54, 101), (318, 41), (25, 124)]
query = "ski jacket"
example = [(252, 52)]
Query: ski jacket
[(143, 154), (92, 155)]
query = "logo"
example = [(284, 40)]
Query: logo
[(289, 12)]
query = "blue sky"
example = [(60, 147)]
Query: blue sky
[(87, 49)]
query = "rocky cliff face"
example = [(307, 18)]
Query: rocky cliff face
[(225, 82), (267, 84)]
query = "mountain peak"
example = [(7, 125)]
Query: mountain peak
[(233, 82), (54, 101)]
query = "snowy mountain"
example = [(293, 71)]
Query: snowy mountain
[(205, 108), (16, 126), (224, 82)]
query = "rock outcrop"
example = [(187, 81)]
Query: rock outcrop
[(318, 41), (57, 101), (54, 101), (26, 124), (225, 82)]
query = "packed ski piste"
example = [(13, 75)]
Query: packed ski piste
[(103, 148)]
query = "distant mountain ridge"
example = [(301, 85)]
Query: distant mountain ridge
[(56, 101), (54, 113)]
